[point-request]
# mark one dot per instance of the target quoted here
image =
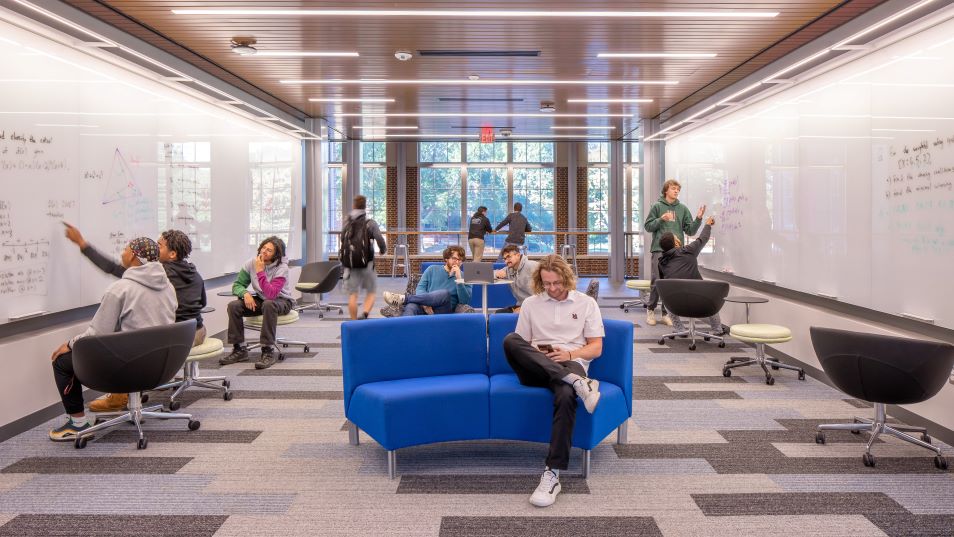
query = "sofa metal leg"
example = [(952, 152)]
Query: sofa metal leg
[(353, 436), (586, 463), (392, 463), (622, 432)]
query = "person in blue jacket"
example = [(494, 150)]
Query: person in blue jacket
[(440, 290)]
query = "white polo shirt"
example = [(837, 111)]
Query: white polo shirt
[(564, 324)]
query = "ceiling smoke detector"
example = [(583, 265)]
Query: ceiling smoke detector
[(547, 106), (403, 55), (505, 133), (243, 46)]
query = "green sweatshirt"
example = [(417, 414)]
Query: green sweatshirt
[(683, 225)]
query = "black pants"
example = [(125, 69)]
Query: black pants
[(71, 391), (268, 309), (654, 275), (533, 368), (508, 309)]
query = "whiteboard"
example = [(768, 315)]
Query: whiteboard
[(841, 185), (120, 155)]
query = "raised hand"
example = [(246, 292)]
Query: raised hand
[(701, 212)]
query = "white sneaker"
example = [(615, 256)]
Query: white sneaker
[(651, 317), (667, 320), (547, 490), (589, 391), (394, 299)]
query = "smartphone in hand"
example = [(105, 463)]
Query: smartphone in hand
[(545, 348)]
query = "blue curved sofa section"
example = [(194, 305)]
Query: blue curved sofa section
[(498, 296), (419, 380)]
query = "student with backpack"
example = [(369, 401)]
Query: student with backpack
[(357, 256)]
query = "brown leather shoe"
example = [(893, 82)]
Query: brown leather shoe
[(112, 402)]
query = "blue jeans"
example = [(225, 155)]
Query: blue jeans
[(439, 300)]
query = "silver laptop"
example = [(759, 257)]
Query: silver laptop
[(478, 272)]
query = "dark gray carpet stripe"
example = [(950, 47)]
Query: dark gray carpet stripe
[(908, 525), (655, 389), (112, 525), (290, 373), (191, 396), (483, 484), (797, 503), (705, 379), (858, 403), (97, 465), (344, 426), (555, 526), (201, 436), (751, 452), (681, 346)]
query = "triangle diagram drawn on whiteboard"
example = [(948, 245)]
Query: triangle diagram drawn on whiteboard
[(121, 184)]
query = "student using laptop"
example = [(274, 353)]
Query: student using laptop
[(440, 290), (520, 271)]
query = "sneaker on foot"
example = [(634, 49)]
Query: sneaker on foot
[(269, 358), (589, 391), (394, 299), (112, 402), (667, 320), (68, 431), (651, 317), (238, 354), (547, 490), (364, 315)]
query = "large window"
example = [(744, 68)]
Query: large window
[(597, 205), (332, 191), (374, 181), (271, 169), (185, 190), (634, 173), (491, 180), (440, 206), (533, 187)]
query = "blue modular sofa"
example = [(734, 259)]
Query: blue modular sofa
[(498, 296), (419, 380)]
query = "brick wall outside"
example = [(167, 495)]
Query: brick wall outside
[(392, 207), (561, 185), (412, 207), (582, 188)]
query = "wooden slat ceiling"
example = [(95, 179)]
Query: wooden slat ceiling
[(568, 50)]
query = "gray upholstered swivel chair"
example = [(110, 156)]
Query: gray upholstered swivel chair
[(317, 279), (692, 299), (884, 370), (133, 362)]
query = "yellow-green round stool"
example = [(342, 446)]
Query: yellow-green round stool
[(255, 323), (643, 287), (760, 334), (210, 348)]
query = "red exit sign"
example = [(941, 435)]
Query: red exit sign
[(486, 135)]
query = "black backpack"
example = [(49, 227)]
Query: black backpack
[(355, 249)]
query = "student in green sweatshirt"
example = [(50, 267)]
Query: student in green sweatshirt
[(667, 215)]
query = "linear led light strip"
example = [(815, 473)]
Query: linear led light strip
[(609, 100), (481, 82), (472, 114), (386, 127), (351, 100), (102, 42), (583, 127), (656, 55), (480, 13), (843, 44)]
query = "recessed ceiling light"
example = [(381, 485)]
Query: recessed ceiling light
[(584, 127), (386, 127), (483, 13), (351, 100), (482, 82), (547, 107), (306, 54), (609, 100), (656, 55), (242, 45), (471, 114), (473, 77)]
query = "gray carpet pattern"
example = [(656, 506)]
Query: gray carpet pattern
[(706, 455)]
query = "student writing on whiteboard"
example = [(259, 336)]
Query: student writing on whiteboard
[(262, 288), (142, 298), (680, 262), (667, 215), (174, 249)]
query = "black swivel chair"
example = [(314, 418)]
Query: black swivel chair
[(884, 370), (692, 299), (319, 278), (133, 362)]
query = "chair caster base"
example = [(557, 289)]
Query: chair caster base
[(142, 444), (820, 438), (868, 459)]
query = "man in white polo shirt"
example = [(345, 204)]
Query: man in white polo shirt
[(558, 332)]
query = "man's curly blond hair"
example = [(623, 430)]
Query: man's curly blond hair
[(558, 266)]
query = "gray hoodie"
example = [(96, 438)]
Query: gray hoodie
[(142, 298), (522, 285)]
